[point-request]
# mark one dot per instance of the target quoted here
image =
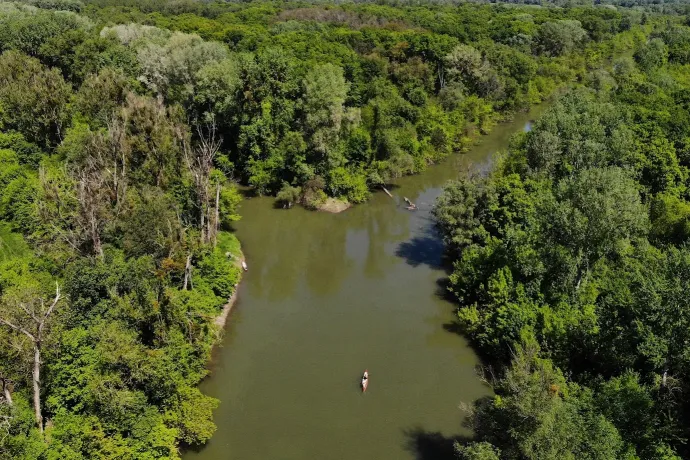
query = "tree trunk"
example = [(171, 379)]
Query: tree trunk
[(217, 229), (187, 272), (97, 245), (209, 223), (37, 339), (6, 392), (581, 275), (202, 224), (37, 388)]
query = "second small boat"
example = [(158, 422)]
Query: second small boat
[(365, 381)]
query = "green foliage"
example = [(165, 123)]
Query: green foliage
[(219, 273), (20, 441), (150, 226), (12, 245), (27, 29), (33, 99), (217, 86), (325, 90), (135, 377), (559, 38), (62, 5), (27, 153), (678, 41), (228, 243), (670, 219), (288, 195), (194, 416), (121, 135), (304, 91), (18, 188), (120, 198), (168, 62), (100, 96), (537, 414), (477, 451), (574, 252), (349, 184), (466, 65), (230, 199), (652, 55)]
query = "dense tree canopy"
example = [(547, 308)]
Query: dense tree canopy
[(573, 255), (115, 260), (125, 125), (330, 100)]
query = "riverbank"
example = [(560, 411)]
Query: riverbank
[(227, 308), (232, 248), (333, 205)]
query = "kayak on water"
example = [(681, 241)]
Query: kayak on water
[(365, 381)]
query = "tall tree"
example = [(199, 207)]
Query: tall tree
[(25, 310), (199, 157), (33, 99), (537, 415), (325, 90)]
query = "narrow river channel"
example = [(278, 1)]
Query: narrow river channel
[(327, 296)]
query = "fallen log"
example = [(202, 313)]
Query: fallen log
[(410, 205)]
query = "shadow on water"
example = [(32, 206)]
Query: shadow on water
[(196, 448), (429, 250), (247, 192), (422, 250), (443, 291), (428, 445), (391, 186), (454, 327)]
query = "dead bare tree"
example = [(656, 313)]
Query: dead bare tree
[(113, 152), (32, 321), (92, 191), (199, 159), (102, 178), (91, 194), (188, 273)]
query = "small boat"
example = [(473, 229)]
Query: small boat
[(365, 381), (244, 266)]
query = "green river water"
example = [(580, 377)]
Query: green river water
[(328, 295)]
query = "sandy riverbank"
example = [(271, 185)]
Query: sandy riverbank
[(227, 308), (232, 247), (333, 205)]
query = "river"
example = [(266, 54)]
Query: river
[(328, 295)]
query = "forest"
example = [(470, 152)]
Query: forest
[(571, 269), (128, 127), (324, 102)]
